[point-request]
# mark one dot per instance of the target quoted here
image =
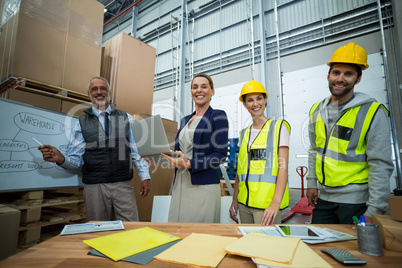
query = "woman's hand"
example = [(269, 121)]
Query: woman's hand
[(233, 211), (270, 214), (180, 161)]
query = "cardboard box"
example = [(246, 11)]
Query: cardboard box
[(161, 175), (83, 44), (56, 42), (9, 225), (129, 65), (395, 207), (74, 108), (35, 99), (161, 181), (391, 232), (34, 45)]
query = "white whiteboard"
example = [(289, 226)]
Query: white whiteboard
[(21, 163)]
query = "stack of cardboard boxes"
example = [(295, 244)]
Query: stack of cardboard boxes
[(9, 224), (56, 42), (59, 44), (129, 65), (161, 175), (391, 225)]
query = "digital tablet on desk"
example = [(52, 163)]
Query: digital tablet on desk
[(301, 231)]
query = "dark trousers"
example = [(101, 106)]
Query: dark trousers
[(336, 213)]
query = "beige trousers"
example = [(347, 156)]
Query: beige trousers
[(101, 199)]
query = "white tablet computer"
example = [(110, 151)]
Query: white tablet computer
[(301, 231)]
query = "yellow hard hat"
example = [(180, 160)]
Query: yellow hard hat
[(350, 53), (252, 87)]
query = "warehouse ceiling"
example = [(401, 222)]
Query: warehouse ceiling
[(114, 7)]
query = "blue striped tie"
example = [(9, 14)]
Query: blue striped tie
[(107, 123)]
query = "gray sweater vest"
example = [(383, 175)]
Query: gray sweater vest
[(106, 158)]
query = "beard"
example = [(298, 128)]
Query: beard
[(340, 93), (100, 103)]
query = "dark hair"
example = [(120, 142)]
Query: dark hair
[(358, 68), (244, 98), (211, 83)]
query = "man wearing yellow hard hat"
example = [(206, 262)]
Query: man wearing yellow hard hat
[(350, 157)]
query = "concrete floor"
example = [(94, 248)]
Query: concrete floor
[(294, 198)]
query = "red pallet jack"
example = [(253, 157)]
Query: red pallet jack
[(302, 206)]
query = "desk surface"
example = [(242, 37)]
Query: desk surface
[(69, 251)]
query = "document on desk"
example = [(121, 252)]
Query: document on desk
[(142, 258), (267, 230), (278, 249), (92, 227), (304, 257), (336, 236), (123, 244), (203, 250), (329, 234)]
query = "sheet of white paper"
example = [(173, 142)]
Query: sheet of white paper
[(272, 231), (92, 227)]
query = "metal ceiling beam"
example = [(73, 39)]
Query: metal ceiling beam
[(184, 96)]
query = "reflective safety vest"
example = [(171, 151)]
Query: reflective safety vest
[(257, 167), (341, 154)]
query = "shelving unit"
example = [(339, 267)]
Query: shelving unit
[(44, 208)]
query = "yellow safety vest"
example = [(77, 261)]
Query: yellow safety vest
[(258, 167), (341, 154)]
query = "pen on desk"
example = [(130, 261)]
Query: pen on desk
[(356, 220), (37, 141), (362, 220)]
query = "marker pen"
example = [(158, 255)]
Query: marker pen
[(37, 141)]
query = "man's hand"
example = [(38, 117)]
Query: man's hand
[(312, 196), (51, 154), (145, 188), (368, 219)]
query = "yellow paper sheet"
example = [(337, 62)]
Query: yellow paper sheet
[(273, 248), (124, 244), (305, 257), (201, 250)]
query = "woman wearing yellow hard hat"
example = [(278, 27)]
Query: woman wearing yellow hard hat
[(261, 185)]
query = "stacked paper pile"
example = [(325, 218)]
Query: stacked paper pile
[(124, 244), (202, 250), (276, 251)]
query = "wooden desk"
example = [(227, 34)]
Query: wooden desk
[(69, 251)]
